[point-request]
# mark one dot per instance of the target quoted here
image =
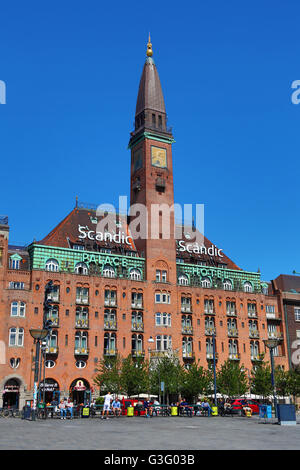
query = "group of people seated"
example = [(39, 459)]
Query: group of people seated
[(201, 407)]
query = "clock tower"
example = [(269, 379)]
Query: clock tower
[(151, 192)]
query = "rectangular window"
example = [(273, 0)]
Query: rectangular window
[(66, 340), (297, 314), (96, 341)]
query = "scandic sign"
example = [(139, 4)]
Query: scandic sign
[(120, 238)]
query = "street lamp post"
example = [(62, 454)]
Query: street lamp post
[(37, 335), (215, 374), (271, 344)]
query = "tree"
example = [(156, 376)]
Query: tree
[(134, 376), (261, 381), (108, 377), (281, 382), (294, 382), (166, 369), (232, 379), (196, 381)]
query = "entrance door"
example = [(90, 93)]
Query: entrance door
[(11, 394)]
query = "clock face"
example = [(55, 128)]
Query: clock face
[(137, 160), (159, 157)]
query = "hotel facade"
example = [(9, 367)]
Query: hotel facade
[(114, 290)]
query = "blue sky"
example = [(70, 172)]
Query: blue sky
[(72, 71)]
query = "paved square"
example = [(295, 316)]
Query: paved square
[(133, 433)]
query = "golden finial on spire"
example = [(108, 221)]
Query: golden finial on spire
[(149, 47)]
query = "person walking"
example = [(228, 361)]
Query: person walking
[(106, 406)]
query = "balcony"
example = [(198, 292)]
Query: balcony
[(110, 325), (138, 353), (186, 308), (110, 352), (137, 326), (159, 353), (53, 298), (81, 351), (187, 330), (273, 316), (81, 323), (209, 312), (82, 300), (137, 305), (254, 334), (55, 321), (257, 357), (110, 302), (209, 331), (252, 314), (275, 335), (52, 350), (188, 355), (231, 313), (210, 356), (234, 356), (233, 332)]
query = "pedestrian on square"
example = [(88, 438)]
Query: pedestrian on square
[(106, 406)]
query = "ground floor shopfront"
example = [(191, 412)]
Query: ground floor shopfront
[(15, 393)]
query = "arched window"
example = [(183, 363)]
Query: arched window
[(205, 282), (137, 343), (16, 336), (187, 346), (108, 271), (248, 287), (81, 268), (135, 275), (183, 280), (233, 346), (227, 284), (52, 265)]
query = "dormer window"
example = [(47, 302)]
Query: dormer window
[(14, 261)]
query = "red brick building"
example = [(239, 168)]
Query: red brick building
[(114, 290)]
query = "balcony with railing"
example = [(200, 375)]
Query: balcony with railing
[(81, 351), (233, 332), (234, 356), (137, 326), (210, 356), (138, 353), (82, 300), (210, 330), (209, 311), (253, 333), (188, 355), (82, 323), (186, 308), (137, 305), (231, 313), (110, 352), (51, 349), (275, 335), (187, 329), (110, 325)]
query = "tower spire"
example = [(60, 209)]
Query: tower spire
[(149, 48)]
